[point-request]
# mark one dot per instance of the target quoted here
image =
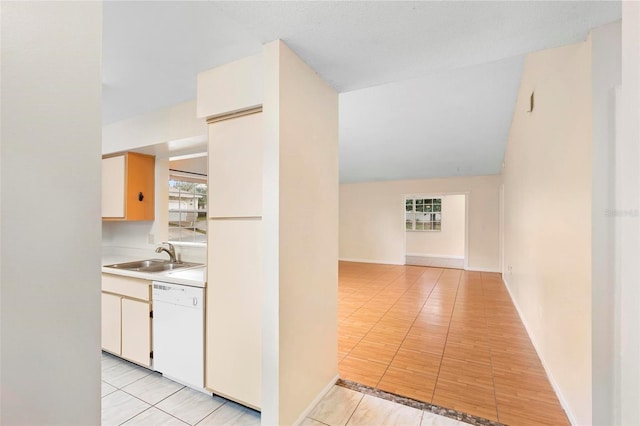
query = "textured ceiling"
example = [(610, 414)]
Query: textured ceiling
[(450, 58), (357, 44)]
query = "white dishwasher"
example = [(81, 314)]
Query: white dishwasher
[(178, 333)]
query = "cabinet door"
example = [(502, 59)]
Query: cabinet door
[(234, 310), (136, 331), (113, 196), (140, 187), (111, 324), (235, 167)]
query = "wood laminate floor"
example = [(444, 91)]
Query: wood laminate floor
[(443, 336)]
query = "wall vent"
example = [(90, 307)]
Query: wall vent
[(531, 102)]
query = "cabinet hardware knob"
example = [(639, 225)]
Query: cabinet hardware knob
[(140, 196)]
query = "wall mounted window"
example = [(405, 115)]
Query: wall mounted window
[(423, 214), (187, 207)]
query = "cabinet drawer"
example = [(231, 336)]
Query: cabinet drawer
[(127, 286)]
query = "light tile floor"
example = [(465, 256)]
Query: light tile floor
[(132, 395)]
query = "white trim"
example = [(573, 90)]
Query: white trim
[(466, 230), (316, 400), (434, 262), (382, 262), (481, 269), (190, 156), (554, 384), (439, 256), (501, 229), (188, 244)]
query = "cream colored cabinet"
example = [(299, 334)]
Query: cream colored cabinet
[(235, 167), (111, 323), (234, 310), (234, 273), (136, 331), (128, 187), (126, 318)]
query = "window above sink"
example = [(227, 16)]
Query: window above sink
[(187, 201)]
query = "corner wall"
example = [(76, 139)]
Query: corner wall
[(50, 185), (547, 217), (372, 218), (300, 216), (628, 226), (606, 72)]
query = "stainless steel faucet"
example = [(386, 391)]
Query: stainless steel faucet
[(171, 251)]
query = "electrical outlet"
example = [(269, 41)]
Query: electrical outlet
[(150, 239)]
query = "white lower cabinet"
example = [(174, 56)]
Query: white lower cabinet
[(126, 318)]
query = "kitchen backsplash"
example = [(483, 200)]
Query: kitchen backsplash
[(132, 239)]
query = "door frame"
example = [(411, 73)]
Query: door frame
[(437, 195)]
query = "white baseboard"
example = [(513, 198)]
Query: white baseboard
[(554, 384), (440, 256), (390, 262), (382, 262), (479, 269), (433, 261), (316, 400)]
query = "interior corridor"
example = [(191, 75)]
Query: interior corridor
[(448, 337)]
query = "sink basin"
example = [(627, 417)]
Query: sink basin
[(152, 265), (167, 267)]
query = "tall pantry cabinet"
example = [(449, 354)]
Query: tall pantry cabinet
[(234, 288)]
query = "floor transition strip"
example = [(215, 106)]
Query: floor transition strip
[(436, 409)]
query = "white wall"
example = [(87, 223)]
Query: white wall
[(372, 218), (547, 222), (50, 185), (606, 72), (177, 124), (193, 165), (300, 216), (449, 242)]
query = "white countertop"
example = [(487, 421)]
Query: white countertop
[(194, 277)]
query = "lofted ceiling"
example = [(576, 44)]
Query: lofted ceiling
[(427, 88)]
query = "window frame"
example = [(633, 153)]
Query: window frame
[(201, 212)]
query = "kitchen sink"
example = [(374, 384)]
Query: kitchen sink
[(153, 265)]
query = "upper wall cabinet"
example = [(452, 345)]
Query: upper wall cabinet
[(128, 185)]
